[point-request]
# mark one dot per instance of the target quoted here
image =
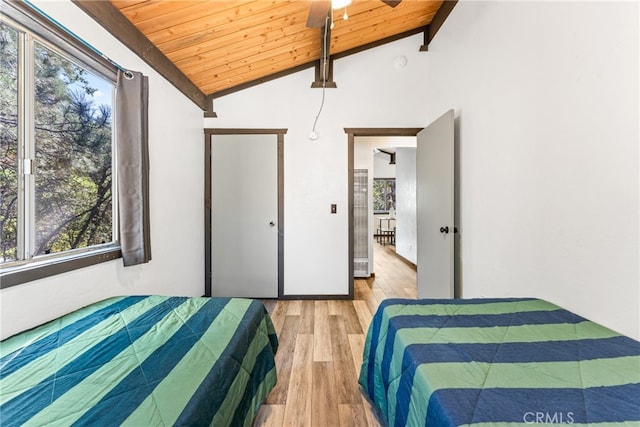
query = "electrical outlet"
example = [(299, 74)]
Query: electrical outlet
[(334, 208)]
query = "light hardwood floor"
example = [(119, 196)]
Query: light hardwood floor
[(320, 351)]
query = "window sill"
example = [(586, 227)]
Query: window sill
[(39, 270)]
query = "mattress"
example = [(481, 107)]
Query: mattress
[(497, 362), (142, 361)]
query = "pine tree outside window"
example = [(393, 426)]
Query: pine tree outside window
[(57, 192)]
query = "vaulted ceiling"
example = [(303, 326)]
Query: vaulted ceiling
[(215, 47)]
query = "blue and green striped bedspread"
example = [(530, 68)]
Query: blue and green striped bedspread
[(497, 362), (142, 361)]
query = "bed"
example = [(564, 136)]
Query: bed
[(497, 362), (142, 361)]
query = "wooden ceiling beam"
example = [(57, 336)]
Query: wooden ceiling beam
[(437, 21), (105, 14), (324, 65)]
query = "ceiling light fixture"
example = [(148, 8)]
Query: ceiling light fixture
[(339, 4)]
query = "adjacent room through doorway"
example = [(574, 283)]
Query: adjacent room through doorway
[(384, 207)]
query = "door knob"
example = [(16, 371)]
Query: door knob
[(444, 230), (273, 224)]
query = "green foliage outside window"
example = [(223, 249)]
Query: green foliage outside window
[(384, 194), (8, 144), (71, 155)]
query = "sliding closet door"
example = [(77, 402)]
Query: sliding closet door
[(244, 215)]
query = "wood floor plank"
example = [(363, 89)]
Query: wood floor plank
[(321, 333), (294, 308), (269, 416), (356, 343), (306, 318), (347, 388), (278, 314), (334, 307), (351, 320), (270, 304), (410, 293), (361, 290), (370, 413), (363, 313), (323, 411), (286, 346), (378, 295), (351, 415), (298, 408), (364, 294)]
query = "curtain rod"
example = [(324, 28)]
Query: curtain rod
[(128, 74)]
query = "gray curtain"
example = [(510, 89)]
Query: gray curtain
[(132, 104)]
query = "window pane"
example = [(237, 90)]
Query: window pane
[(384, 194), (378, 195), (8, 143), (390, 194), (73, 174)]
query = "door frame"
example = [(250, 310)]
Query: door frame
[(352, 133), (208, 135)]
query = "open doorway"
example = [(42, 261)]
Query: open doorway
[(388, 214), (366, 148), (437, 234)]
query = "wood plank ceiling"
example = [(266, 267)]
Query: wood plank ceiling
[(222, 45)]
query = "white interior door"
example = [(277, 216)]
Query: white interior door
[(435, 208), (244, 215)]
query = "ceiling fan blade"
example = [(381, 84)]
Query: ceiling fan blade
[(392, 3), (318, 13)]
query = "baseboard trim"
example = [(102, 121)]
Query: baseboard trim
[(406, 261)]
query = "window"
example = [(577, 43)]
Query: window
[(384, 195), (57, 192)]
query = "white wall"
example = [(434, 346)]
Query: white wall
[(406, 209), (381, 166), (546, 99), (370, 93), (176, 149)]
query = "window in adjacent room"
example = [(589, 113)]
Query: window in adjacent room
[(57, 192), (384, 195)]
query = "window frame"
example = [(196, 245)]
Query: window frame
[(53, 36)]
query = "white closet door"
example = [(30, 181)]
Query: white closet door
[(244, 215)]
